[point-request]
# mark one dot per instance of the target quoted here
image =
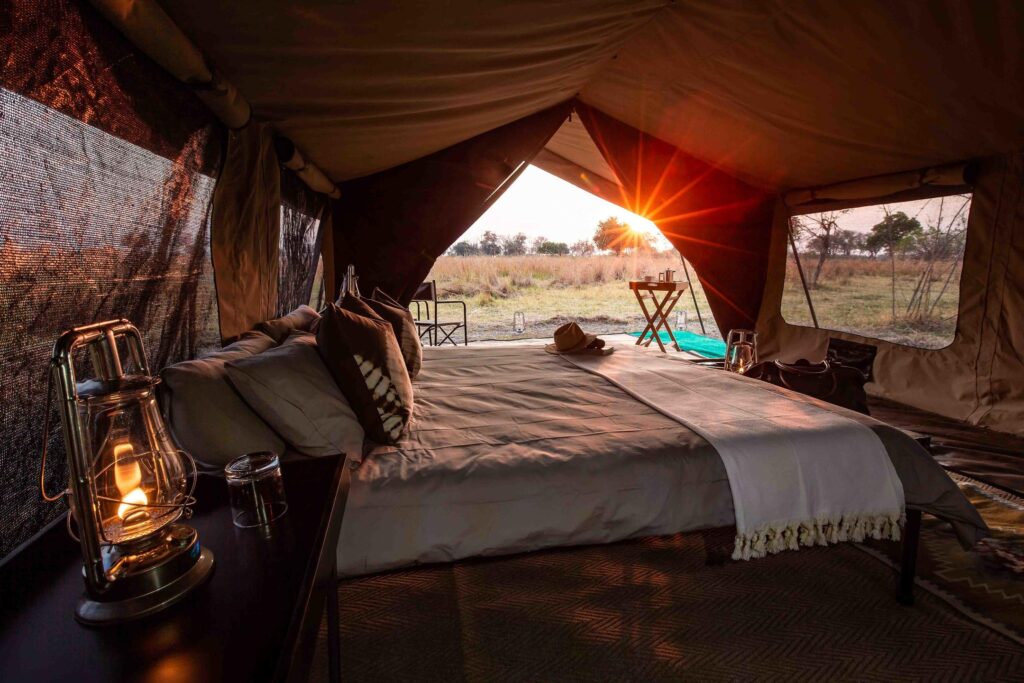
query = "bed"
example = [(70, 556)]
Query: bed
[(513, 449)]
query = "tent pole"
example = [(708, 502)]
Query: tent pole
[(803, 280), (694, 295)]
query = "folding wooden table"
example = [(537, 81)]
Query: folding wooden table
[(657, 318)]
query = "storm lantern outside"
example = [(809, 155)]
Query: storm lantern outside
[(130, 485)]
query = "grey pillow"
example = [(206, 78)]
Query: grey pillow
[(207, 416), (302, 318), (290, 388)]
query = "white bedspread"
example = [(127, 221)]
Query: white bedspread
[(799, 475)]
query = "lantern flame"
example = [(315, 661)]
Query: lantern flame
[(128, 477)]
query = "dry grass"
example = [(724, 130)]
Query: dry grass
[(505, 276), (551, 290), (856, 295), (853, 294)]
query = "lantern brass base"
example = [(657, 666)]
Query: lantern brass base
[(153, 579)]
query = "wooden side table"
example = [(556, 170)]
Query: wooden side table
[(657, 317), (256, 619)]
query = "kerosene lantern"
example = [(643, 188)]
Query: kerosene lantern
[(130, 485), (740, 350)]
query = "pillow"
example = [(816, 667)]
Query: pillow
[(385, 298), (205, 414), (362, 355), (358, 306), (404, 326), (302, 318), (291, 389)]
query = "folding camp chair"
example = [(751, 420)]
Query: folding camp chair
[(431, 328)]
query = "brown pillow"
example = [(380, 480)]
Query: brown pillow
[(364, 358), (404, 326), (358, 306), (302, 318), (385, 298)]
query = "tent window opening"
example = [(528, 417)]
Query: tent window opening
[(299, 247), (885, 271)]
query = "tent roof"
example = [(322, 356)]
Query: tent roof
[(785, 94), (573, 143), (364, 86)]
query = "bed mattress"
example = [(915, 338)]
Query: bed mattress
[(512, 449)]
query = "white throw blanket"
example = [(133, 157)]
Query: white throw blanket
[(799, 474)]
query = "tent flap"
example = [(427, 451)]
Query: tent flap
[(393, 225), (577, 175), (720, 224), (245, 237)]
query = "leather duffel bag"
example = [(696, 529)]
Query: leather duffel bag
[(834, 383)]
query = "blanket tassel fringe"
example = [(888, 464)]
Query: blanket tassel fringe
[(775, 538)]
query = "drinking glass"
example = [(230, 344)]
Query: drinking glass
[(255, 489)]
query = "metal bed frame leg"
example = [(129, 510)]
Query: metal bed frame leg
[(333, 628), (908, 558)]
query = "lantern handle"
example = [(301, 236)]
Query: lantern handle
[(62, 353), (46, 440)]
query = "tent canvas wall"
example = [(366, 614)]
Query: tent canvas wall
[(705, 112)]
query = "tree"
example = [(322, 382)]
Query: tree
[(514, 245), (489, 244), (582, 248), (554, 248), (642, 242), (611, 234), (537, 243), (846, 242), (818, 230), (464, 248), (895, 234), (941, 247)]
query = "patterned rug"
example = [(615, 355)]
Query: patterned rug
[(987, 582), (661, 609)]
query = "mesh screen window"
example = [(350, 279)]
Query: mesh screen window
[(302, 224), (888, 271), (91, 228)]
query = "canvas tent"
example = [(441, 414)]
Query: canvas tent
[(386, 129)]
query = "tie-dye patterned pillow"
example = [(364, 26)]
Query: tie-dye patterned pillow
[(365, 360), (404, 325), (401, 320)]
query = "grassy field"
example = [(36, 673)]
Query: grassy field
[(852, 294), (552, 290), (856, 295)]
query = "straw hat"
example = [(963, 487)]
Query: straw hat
[(570, 338)]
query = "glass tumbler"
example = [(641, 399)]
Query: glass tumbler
[(255, 489)]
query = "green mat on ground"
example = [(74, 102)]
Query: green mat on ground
[(695, 343)]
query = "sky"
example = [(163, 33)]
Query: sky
[(542, 205)]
